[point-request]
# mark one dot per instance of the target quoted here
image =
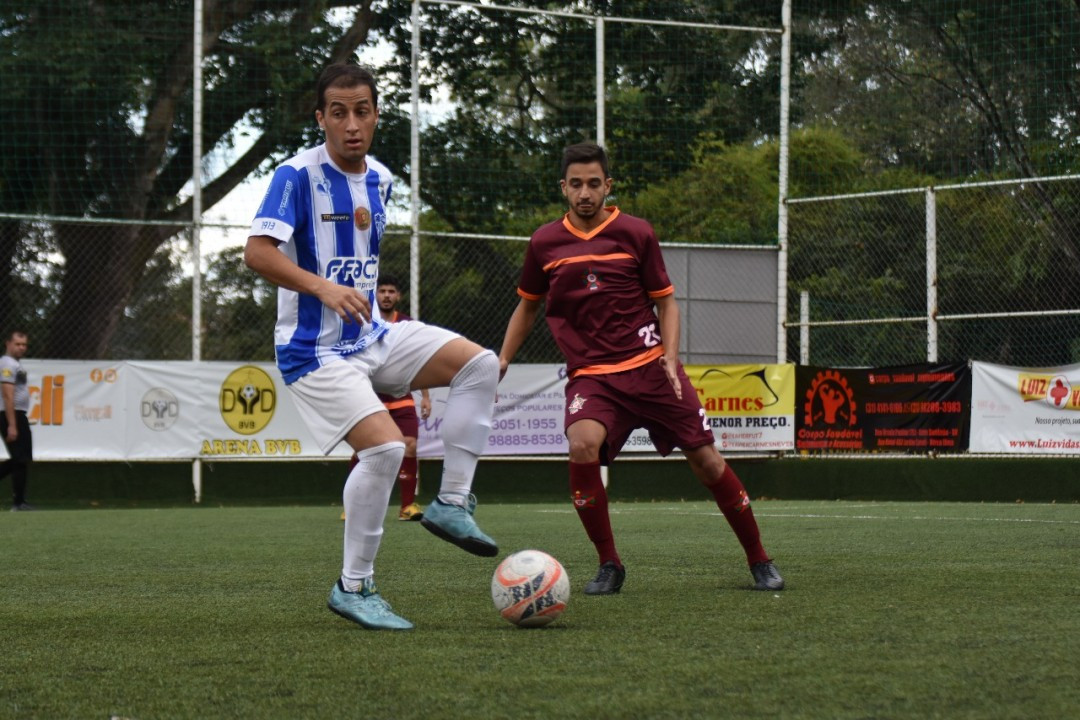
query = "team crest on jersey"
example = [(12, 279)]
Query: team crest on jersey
[(576, 404), (591, 278), (362, 218)]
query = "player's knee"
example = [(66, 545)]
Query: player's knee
[(583, 450), (482, 370)]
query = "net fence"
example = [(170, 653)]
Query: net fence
[(99, 226)]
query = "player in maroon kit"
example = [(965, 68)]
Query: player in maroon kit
[(402, 409), (601, 274)]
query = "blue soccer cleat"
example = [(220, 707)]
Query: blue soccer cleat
[(455, 524), (365, 607)]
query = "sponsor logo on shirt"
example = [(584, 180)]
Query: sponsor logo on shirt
[(335, 217), (358, 272), (285, 198)]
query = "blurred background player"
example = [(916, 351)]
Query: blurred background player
[(14, 424), (402, 409), (602, 274)]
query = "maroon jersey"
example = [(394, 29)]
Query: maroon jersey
[(600, 289)]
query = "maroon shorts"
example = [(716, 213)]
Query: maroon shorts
[(406, 420), (639, 398)]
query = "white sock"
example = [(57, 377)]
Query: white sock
[(466, 424), (366, 497)]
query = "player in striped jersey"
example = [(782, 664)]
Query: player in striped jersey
[(601, 275), (316, 236)]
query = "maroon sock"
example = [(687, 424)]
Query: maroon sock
[(407, 481), (733, 501), (591, 502)]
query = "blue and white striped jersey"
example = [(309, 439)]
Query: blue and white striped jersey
[(330, 223)]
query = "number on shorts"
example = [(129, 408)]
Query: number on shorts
[(704, 420), (648, 335)]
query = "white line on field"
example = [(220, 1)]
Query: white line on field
[(819, 516)]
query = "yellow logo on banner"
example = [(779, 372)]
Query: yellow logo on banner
[(1055, 390), (744, 389), (247, 400)]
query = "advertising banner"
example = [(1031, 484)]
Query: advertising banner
[(163, 410), (909, 408), (750, 408), (528, 414), (1018, 410)]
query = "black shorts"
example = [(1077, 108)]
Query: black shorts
[(22, 450)]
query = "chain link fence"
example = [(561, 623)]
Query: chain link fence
[(984, 271)]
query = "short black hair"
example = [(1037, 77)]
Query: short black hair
[(584, 152), (344, 75), (387, 279)]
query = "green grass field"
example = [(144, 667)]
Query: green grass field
[(893, 610)]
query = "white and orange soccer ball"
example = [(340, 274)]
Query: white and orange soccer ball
[(530, 588)]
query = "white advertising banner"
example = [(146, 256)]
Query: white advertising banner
[(1020, 410), (528, 414), (182, 410), (163, 411)]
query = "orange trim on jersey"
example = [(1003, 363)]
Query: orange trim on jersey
[(596, 230), (529, 296), (400, 403), (661, 293), (586, 258), (635, 362), (394, 319)]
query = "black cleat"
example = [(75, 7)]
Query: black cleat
[(766, 576), (608, 580)]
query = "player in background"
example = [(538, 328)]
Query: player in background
[(402, 409), (14, 424), (601, 274), (316, 236)]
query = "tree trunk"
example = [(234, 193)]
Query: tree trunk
[(102, 264)]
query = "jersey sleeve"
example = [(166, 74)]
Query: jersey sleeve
[(654, 275), (279, 214), (534, 281)]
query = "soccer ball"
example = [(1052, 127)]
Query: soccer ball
[(530, 588)]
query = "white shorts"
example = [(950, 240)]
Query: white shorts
[(341, 393)]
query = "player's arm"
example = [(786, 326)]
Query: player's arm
[(8, 391), (517, 329), (667, 310), (261, 254)]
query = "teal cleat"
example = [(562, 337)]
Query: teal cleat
[(365, 607), (455, 524)]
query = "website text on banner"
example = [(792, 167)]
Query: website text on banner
[(1019, 410), (909, 408)]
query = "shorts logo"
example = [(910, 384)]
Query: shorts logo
[(576, 404), (591, 278), (362, 217)]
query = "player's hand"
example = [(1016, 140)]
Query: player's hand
[(503, 365), (671, 369), (349, 303), (425, 407), (12, 433)]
